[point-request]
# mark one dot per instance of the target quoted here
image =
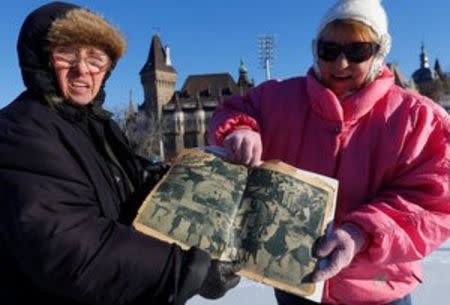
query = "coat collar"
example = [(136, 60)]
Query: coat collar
[(326, 104)]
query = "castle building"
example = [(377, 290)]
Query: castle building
[(183, 115), (434, 83), (424, 74)]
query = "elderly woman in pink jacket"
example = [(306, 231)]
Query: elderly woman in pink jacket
[(387, 146)]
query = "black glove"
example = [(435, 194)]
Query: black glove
[(220, 278), (209, 278), (153, 172)]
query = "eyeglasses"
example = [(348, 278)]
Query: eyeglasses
[(355, 52), (67, 57)]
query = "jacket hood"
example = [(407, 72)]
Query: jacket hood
[(32, 48), (61, 23)]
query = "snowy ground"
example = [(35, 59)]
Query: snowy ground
[(435, 289), (247, 293)]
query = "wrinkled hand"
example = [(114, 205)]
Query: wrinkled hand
[(244, 146), (221, 277), (339, 249)]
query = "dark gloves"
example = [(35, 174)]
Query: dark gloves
[(209, 278), (153, 172), (220, 278)]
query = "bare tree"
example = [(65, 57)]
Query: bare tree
[(142, 130)]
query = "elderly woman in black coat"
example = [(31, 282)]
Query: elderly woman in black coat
[(70, 185)]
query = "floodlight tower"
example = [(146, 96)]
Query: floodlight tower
[(266, 52)]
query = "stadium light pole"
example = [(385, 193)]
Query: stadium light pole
[(266, 52)]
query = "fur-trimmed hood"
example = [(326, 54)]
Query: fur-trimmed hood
[(61, 23)]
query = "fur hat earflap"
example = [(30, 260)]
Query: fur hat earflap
[(80, 26)]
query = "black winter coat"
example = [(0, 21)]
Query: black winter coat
[(66, 205), (61, 212)]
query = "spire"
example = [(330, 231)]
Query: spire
[(243, 81), (439, 74), (131, 112), (242, 67), (130, 103), (424, 74), (437, 65), (243, 77), (424, 57), (157, 59)]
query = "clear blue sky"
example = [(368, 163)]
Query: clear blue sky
[(211, 37)]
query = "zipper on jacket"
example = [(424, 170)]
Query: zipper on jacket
[(339, 139)]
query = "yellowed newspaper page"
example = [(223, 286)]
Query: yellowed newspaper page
[(283, 212), (195, 203), (268, 217)]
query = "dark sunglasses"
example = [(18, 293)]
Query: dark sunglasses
[(355, 52)]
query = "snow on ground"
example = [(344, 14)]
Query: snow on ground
[(246, 293), (435, 289)]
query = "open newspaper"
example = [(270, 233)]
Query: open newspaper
[(267, 217)]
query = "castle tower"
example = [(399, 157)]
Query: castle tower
[(424, 74), (243, 82), (158, 78)]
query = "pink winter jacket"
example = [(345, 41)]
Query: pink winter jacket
[(389, 149)]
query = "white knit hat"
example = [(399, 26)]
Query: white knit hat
[(369, 12)]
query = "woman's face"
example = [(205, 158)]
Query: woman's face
[(80, 72), (342, 75)]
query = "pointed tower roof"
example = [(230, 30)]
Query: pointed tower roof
[(438, 70), (131, 104), (242, 67), (243, 82), (243, 73), (158, 58), (131, 111), (424, 62), (424, 73)]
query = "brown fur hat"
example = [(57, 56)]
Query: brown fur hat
[(80, 26)]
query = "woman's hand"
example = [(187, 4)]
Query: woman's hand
[(244, 146), (339, 249)]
